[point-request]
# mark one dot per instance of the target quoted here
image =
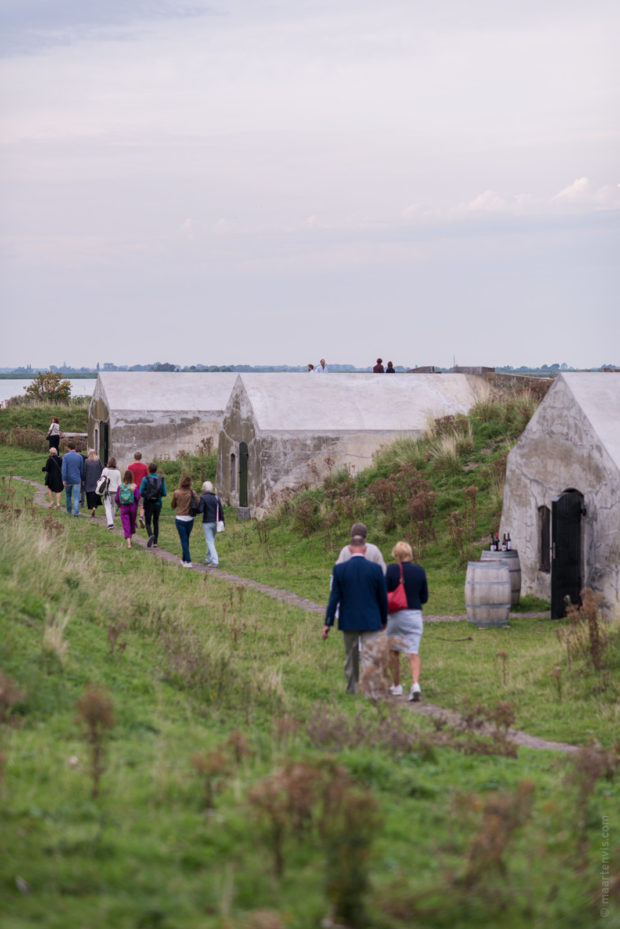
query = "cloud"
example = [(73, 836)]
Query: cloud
[(581, 193), (577, 192), (487, 202)]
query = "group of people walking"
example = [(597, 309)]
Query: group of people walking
[(138, 495), (368, 598), (371, 599)]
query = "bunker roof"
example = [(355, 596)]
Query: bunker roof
[(165, 390), (598, 395), (356, 402)]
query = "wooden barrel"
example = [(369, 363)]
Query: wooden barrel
[(487, 593), (514, 568)]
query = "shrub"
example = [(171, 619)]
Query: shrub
[(96, 713)]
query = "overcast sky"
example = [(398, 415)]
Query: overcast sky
[(275, 181)]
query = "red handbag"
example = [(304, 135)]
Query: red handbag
[(397, 599)]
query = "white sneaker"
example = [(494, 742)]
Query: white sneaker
[(396, 690), (414, 693), (187, 564)]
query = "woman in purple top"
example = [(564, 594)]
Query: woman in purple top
[(127, 497)]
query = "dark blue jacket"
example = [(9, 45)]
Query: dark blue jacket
[(73, 468), (414, 577), (358, 586), (211, 508)]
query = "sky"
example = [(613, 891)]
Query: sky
[(276, 181)]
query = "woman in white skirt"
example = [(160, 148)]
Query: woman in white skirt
[(404, 628), (114, 475)]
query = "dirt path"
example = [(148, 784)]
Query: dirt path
[(423, 709)]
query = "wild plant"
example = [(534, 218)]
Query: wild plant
[(444, 453), (307, 516), (263, 530), (283, 730), (456, 529), (590, 764), (384, 493), (10, 696), (54, 642), (501, 666), (470, 494), (502, 816), (586, 636), (211, 767), (348, 822), (96, 714), (238, 746), (264, 919), (205, 670), (115, 642), (270, 805), (556, 674), (478, 720)]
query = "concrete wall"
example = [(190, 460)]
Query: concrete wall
[(560, 450), (157, 434), (282, 460)]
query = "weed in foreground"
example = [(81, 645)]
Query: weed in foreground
[(211, 767), (96, 714), (590, 765), (502, 815)]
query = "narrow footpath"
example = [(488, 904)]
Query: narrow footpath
[(285, 596)]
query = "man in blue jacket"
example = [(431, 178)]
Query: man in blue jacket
[(358, 588), (72, 477)]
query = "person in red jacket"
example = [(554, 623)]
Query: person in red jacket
[(139, 470)]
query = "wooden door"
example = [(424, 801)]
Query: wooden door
[(566, 573)]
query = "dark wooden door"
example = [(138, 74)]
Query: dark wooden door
[(566, 580), (104, 442), (243, 474)]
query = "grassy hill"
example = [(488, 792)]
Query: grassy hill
[(442, 493), (177, 751)]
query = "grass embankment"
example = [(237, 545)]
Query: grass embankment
[(24, 425), (239, 787), (442, 493)]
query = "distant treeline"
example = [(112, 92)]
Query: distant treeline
[(21, 373)]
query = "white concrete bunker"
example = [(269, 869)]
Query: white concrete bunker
[(157, 413), (283, 431), (562, 492)]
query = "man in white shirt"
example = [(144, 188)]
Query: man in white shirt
[(321, 368), (371, 552)]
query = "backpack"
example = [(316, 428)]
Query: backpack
[(152, 491), (125, 495)]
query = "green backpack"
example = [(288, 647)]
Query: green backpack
[(125, 495)]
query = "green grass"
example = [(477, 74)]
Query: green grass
[(193, 660), (73, 416)]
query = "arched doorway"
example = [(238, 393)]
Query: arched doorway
[(566, 551), (233, 473), (243, 474), (104, 442)]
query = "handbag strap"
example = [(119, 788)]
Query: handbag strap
[(402, 576)]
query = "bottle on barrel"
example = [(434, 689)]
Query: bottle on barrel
[(508, 542), (492, 545), (497, 547), (504, 544)]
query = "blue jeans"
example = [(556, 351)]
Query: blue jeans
[(184, 528), (209, 531), (73, 491)]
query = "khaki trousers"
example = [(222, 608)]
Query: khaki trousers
[(357, 650)]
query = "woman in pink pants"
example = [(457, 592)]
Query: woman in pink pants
[(127, 497)]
